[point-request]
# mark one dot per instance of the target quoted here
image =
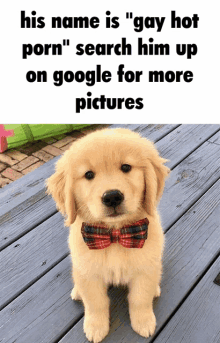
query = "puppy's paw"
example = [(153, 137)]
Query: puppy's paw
[(75, 295), (96, 328), (143, 322), (158, 292)]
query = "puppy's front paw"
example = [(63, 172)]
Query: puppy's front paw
[(96, 328), (75, 295), (143, 322)]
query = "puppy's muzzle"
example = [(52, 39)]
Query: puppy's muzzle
[(112, 198)]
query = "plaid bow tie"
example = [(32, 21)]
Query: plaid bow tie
[(129, 236)]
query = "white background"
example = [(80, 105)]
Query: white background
[(195, 102)]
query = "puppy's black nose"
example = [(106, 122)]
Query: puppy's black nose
[(112, 198)]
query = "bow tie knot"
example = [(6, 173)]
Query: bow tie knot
[(129, 236)]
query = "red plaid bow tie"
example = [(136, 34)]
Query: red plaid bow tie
[(129, 236)]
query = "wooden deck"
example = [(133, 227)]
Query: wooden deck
[(35, 269)]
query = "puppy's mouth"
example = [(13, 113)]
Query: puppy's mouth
[(115, 214)]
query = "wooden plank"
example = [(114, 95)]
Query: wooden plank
[(190, 245), (215, 139), (175, 142), (189, 180), (19, 204), (23, 198), (152, 131), (19, 187), (31, 256), (198, 319), (24, 217), (182, 141), (43, 311)]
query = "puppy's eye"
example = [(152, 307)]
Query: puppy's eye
[(89, 175), (125, 168)]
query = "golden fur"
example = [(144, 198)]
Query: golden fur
[(79, 199)]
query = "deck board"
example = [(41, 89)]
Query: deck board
[(30, 256), (198, 320), (24, 218), (43, 311), (183, 140), (27, 186), (153, 132), (35, 276), (189, 180)]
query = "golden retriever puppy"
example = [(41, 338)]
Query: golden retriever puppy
[(111, 179)]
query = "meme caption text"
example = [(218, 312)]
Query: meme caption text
[(144, 47)]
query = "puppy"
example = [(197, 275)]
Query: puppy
[(110, 180)]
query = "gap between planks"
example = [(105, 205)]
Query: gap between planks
[(207, 140), (186, 296), (188, 208)]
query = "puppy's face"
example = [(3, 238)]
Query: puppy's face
[(108, 176), (108, 187)]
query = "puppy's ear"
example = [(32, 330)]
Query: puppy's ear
[(161, 172), (58, 185), (155, 173), (70, 204)]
